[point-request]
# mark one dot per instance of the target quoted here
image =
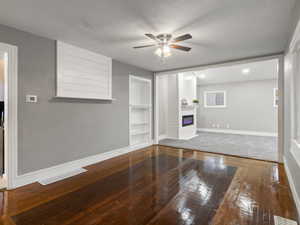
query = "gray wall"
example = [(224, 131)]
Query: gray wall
[(249, 107), (56, 131)]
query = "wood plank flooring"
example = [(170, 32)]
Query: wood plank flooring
[(157, 186)]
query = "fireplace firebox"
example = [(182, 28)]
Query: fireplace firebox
[(187, 120)]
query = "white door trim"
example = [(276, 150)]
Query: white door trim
[(11, 113), (156, 109)]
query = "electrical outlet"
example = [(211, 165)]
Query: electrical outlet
[(227, 126), (31, 98)]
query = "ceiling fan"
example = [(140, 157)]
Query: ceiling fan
[(164, 42)]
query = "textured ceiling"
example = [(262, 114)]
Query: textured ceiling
[(222, 30), (261, 70)]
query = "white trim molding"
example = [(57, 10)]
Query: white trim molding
[(55, 179), (156, 109), (241, 132), (64, 168), (295, 150), (11, 112), (296, 197)]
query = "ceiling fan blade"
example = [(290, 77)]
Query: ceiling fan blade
[(182, 38), (179, 47), (144, 46), (151, 36)]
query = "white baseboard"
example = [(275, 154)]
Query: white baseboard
[(243, 132), (292, 186), (295, 150), (193, 136), (53, 171), (62, 176), (162, 136)]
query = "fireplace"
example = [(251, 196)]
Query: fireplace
[(187, 120)]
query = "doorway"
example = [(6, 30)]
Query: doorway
[(8, 115), (238, 109)]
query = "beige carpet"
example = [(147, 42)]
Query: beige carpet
[(257, 147)]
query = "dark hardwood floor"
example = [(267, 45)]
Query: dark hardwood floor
[(158, 186)]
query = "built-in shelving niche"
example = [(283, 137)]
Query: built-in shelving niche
[(140, 110)]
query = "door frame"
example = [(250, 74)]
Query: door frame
[(10, 113), (280, 118)]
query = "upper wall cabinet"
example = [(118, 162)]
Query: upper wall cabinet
[(82, 73)]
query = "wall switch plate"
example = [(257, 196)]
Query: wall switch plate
[(31, 98)]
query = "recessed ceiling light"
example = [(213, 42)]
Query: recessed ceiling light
[(246, 71), (202, 76)]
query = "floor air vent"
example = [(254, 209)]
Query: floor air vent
[(283, 221), (72, 173)]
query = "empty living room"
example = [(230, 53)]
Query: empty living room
[(150, 112)]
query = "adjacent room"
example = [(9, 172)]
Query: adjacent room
[(150, 112), (231, 110)]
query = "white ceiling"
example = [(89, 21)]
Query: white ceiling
[(262, 70), (222, 30)]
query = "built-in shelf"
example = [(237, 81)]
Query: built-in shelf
[(140, 110)]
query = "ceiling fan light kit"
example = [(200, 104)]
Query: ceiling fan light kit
[(165, 42), (163, 51)]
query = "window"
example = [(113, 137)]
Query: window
[(214, 99), (275, 97)]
